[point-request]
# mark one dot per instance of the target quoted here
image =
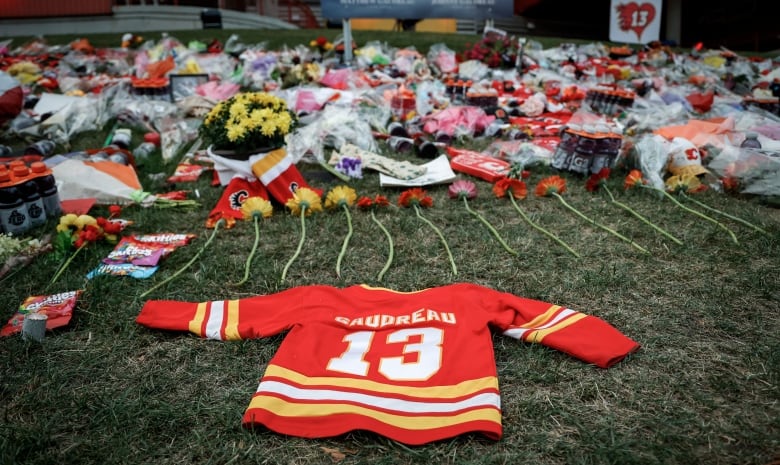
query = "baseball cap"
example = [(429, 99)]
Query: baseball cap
[(684, 158)]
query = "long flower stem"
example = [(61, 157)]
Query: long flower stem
[(595, 223), (441, 236), (188, 264), (346, 241), (333, 171), (252, 252), (642, 218), (390, 246), (489, 226), (727, 215), (695, 212), (300, 243), (65, 265), (541, 229)]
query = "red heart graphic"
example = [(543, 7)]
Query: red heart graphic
[(635, 17)]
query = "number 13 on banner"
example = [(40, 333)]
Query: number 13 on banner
[(635, 22)]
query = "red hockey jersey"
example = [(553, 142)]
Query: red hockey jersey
[(413, 366)]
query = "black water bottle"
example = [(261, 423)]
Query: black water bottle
[(29, 191), (13, 210), (47, 188)]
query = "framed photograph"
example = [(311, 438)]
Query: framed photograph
[(184, 85)]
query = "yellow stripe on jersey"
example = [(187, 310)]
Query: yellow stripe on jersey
[(537, 336), (231, 328), (414, 422), (543, 318), (267, 162), (197, 321), (465, 388)]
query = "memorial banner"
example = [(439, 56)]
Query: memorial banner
[(417, 9), (635, 22)]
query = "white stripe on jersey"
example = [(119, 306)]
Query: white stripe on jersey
[(276, 170), (216, 315), (479, 400)]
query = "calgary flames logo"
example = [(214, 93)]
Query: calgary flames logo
[(635, 17), (237, 199)]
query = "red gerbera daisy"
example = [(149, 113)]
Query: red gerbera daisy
[(597, 180), (517, 187)]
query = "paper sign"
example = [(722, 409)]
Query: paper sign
[(437, 171), (635, 22)]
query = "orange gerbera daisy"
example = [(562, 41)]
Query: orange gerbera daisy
[(415, 196), (550, 185), (634, 179)]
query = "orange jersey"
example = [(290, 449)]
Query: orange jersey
[(413, 366)]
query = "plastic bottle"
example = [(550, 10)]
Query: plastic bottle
[(583, 154), (122, 138), (143, 151), (43, 148), (751, 141), (29, 191), (47, 187), (565, 150), (605, 151), (13, 211)]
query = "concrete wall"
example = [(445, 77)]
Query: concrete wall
[(136, 19)]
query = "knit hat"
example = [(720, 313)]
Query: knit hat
[(684, 158)]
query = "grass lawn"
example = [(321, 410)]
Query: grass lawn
[(703, 389)]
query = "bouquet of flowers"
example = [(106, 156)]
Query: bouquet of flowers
[(493, 50), (248, 121)]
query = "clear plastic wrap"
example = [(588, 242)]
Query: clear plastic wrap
[(756, 172), (333, 127), (442, 59), (652, 154)]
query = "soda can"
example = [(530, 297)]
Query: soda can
[(397, 129), (400, 144), (426, 149)]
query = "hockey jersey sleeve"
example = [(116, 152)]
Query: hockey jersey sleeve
[(247, 318), (582, 336)]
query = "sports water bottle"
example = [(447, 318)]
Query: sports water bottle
[(47, 188), (13, 210), (29, 191)]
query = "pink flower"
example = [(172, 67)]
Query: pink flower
[(462, 188)]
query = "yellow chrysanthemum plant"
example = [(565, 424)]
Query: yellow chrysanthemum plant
[(254, 209), (303, 203), (342, 197), (252, 127), (248, 121)]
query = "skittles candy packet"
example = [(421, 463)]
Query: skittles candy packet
[(57, 307), (122, 269)]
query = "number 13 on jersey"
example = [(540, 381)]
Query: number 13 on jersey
[(419, 356)]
